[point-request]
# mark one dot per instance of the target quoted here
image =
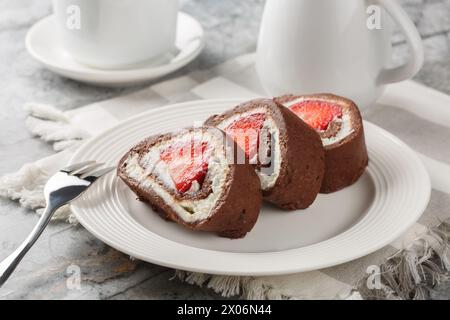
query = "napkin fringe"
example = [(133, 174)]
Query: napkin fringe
[(227, 286), (413, 272), (249, 288), (52, 125), (27, 187)]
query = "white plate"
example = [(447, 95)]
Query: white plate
[(42, 43), (389, 198)]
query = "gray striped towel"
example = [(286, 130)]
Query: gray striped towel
[(407, 268)]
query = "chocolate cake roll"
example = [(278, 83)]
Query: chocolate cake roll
[(339, 123), (191, 177), (286, 153)]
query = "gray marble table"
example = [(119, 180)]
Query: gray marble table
[(231, 29)]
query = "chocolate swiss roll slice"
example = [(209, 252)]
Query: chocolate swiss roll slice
[(339, 123), (286, 153), (191, 177)]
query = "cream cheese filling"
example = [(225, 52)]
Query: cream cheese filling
[(145, 170)]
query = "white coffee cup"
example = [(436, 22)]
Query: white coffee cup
[(316, 46), (114, 34)]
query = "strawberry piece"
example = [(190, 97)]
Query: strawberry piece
[(318, 114), (187, 163), (246, 131)]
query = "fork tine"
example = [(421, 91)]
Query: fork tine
[(77, 166), (91, 177), (86, 169)]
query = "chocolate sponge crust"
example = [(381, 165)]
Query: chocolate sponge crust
[(346, 160), (302, 156), (345, 163), (233, 215)]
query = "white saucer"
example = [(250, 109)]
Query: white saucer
[(388, 199), (42, 43)]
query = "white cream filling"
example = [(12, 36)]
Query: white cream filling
[(346, 127), (267, 176), (188, 210)]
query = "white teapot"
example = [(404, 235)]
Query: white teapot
[(337, 46)]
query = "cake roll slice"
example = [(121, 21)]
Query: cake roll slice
[(339, 123), (191, 177), (286, 153)]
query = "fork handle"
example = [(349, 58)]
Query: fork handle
[(8, 265)]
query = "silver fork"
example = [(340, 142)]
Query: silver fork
[(63, 187)]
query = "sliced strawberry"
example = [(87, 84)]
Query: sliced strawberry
[(318, 114), (246, 131), (187, 163)]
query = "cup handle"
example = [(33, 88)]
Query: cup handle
[(414, 40)]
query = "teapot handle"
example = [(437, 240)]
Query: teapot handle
[(413, 66)]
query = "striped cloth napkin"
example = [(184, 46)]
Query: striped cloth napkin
[(405, 269)]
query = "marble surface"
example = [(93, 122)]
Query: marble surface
[(50, 270)]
